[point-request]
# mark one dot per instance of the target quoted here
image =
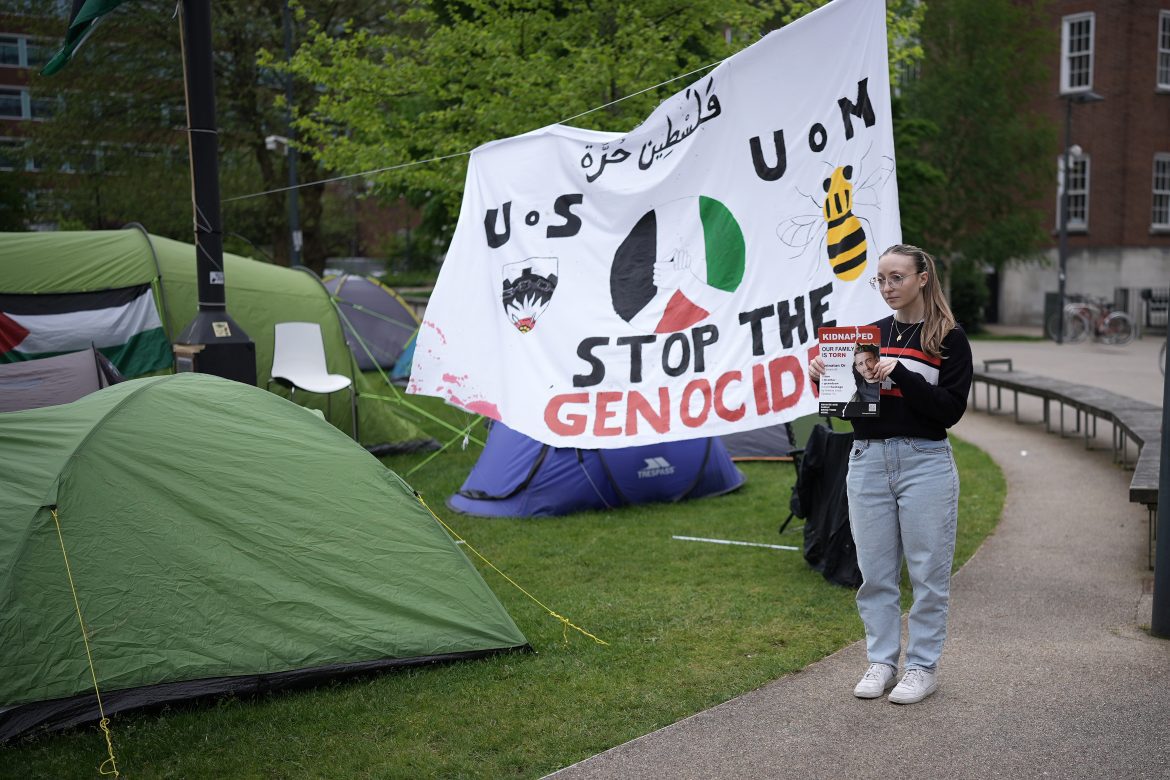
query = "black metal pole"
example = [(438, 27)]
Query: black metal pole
[(203, 142), (1062, 249), (294, 214), (213, 342), (1160, 621)]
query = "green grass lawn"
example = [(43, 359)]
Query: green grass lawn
[(688, 625)]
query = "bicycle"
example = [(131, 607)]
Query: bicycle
[(1095, 317), (1075, 324), (1109, 326)]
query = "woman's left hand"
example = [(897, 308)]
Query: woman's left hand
[(884, 367)]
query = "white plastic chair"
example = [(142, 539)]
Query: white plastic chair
[(298, 363)]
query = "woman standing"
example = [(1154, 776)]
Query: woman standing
[(903, 486)]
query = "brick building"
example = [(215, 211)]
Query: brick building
[(1113, 72), (21, 53)]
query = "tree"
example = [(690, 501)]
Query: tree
[(115, 151), (12, 203), (973, 161), (440, 78)]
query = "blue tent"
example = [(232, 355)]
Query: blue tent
[(519, 477)]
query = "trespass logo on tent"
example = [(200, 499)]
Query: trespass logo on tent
[(613, 289)]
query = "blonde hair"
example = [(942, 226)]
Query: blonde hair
[(937, 319)]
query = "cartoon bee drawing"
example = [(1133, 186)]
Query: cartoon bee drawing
[(845, 237)]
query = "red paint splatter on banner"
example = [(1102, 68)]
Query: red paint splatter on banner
[(437, 330), (486, 408)]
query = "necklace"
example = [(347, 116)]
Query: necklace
[(898, 333)]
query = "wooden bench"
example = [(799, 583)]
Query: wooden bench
[(1132, 420)]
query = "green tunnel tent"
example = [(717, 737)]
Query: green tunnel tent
[(131, 293), (203, 560)]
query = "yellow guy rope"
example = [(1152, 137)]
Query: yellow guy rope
[(512, 582), (104, 723)]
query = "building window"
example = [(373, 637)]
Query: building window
[(1078, 191), (12, 103), (37, 55), (10, 50), (1076, 53), (1160, 220), (11, 154), (43, 107), (21, 51), (16, 103), (15, 156), (1164, 50)]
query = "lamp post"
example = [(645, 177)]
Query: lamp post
[(1062, 245), (280, 143)]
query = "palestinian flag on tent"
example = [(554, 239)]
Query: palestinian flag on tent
[(123, 324)]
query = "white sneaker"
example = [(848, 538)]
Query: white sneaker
[(916, 685), (878, 679)]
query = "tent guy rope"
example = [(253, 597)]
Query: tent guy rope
[(104, 723), (398, 397), (564, 620)]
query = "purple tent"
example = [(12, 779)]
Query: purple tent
[(519, 477)]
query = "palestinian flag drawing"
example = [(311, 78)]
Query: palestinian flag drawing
[(123, 324), (681, 261)]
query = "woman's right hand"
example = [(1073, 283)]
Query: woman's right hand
[(816, 369)]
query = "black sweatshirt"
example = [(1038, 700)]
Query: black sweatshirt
[(923, 395)]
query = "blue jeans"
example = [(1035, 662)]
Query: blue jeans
[(903, 501)]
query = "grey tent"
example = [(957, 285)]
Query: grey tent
[(34, 384), (378, 323), (772, 443)]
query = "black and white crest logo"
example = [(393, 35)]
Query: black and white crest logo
[(528, 287)]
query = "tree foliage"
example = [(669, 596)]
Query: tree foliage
[(377, 85), (973, 161), (116, 150), (439, 78), (12, 203)]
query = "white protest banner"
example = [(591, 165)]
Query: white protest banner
[(609, 289)]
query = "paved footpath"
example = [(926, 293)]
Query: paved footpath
[(1048, 671)]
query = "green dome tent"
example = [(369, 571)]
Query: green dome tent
[(144, 279), (203, 558)]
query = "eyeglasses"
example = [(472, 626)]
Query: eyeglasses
[(894, 280)]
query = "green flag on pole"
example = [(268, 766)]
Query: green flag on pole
[(82, 21)]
